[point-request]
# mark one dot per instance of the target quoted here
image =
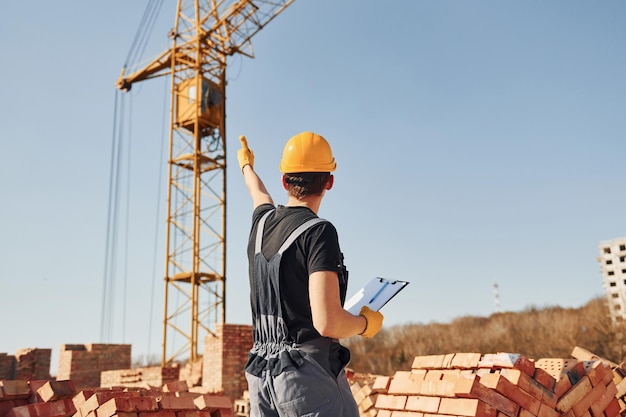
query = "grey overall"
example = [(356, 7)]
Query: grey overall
[(284, 378)]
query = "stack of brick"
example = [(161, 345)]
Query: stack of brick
[(36, 398), (225, 355), (84, 363), (619, 374), (29, 363), (365, 389), (619, 377), (7, 366), (19, 398), (33, 363), (492, 385), (154, 376)]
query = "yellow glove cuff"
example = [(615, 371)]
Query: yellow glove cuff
[(374, 321)]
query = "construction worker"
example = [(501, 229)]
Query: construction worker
[(298, 285)]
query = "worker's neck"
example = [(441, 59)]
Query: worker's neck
[(312, 202)]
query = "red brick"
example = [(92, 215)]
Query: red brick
[(8, 405), (381, 384), (367, 402), (391, 402), (118, 405), (597, 407), (576, 373), (574, 395), (428, 362), (27, 410), (596, 373), (15, 389), (423, 404), (470, 407), (57, 390), (59, 408), (177, 386), (212, 402), (466, 360), (508, 360), (562, 386), (34, 385), (434, 375), (613, 409), (525, 413), (450, 374), (171, 402), (512, 392), (100, 397), (472, 388), (608, 377), (437, 388), (544, 378), (557, 367), (585, 402), (405, 382), (530, 385), (547, 411)]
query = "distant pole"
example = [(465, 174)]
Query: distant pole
[(496, 298)]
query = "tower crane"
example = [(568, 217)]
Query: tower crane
[(205, 34)]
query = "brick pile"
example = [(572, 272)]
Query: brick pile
[(491, 385), (154, 376), (20, 398), (30, 363), (84, 363), (225, 355)]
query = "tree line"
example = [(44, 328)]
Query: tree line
[(549, 332)]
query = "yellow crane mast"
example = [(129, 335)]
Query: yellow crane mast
[(204, 35)]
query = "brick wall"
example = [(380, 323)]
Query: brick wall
[(7, 366), (155, 376), (26, 364), (84, 363), (225, 356), (33, 363)]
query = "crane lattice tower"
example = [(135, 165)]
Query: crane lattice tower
[(204, 35)]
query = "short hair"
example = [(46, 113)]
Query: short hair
[(302, 184)]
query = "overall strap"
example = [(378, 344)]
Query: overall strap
[(297, 232), (292, 237), (259, 231)]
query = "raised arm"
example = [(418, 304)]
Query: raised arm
[(253, 182)]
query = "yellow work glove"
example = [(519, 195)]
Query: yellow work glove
[(374, 321), (245, 156)]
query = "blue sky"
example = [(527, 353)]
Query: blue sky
[(477, 142)]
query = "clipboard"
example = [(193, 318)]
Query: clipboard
[(375, 294)]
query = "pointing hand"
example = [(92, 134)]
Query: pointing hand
[(245, 156)]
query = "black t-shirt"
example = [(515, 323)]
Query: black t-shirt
[(317, 249)]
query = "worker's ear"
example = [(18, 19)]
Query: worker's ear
[(285, 186), (331, 181)]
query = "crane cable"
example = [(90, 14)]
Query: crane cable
[(110, 254), (140, 41), (137, 49)]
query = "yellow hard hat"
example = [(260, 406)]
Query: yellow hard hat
[(307, 152)]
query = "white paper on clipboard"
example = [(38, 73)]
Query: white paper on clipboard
[(375, 294)]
